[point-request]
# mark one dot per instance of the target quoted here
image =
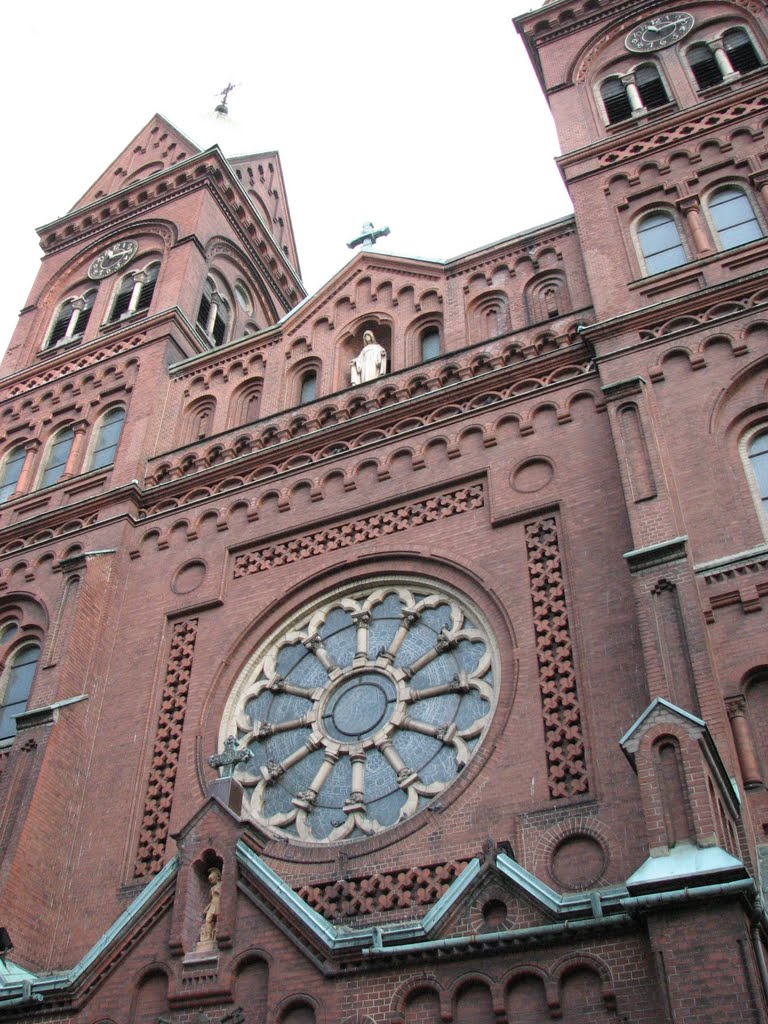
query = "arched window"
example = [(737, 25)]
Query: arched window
[(430, 344), (15, 684), (213, 315), (660, 243), (107, 438), (733, 218), (308, 388), (71, 320), (650, 86), (11, 471), (741, 51), (615, 100), (58, 453), (758, 463), (135, 293), (705, 68)]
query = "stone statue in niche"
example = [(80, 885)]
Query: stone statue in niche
[(207, 939), (371, 361)]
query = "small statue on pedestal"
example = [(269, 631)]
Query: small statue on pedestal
[(207, 939)]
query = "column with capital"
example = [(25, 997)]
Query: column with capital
[(633, 95), (74, 459), (723, 61), (742, 738), (690, 207), (25, 477)]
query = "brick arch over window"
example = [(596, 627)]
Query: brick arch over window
[(304, 382), (755, 694), (197, 419), (150, 997), (489, 316), (245, 404), (670, 773), (547, 297), (583, 998)]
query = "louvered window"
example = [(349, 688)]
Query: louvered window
[(61, 324), (204, 311), (147, 288), (650, 86), (615, 101), (123, 300), (741, 52), (705, 68)]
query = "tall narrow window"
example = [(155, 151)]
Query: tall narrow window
[(660, 243), (651, 87), (15, 687), (60, 324), (213, 314), (107, 438), (430, 344), (11, 471), (308, 390), (147, 279), (58, 454), (123, 299), (83, 310), (733, 217), (741, 51), (758, 461), (705, 68), (615, 100)]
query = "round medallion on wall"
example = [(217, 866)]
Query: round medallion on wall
[(189, 577), (118, 255), (361, 710), (578, 862), (658, 32), (532, 475)]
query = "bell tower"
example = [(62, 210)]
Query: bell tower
[(652, 104)]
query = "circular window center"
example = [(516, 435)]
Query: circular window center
[(360, 707)]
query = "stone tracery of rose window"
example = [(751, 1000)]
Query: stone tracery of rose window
[(362, 712)]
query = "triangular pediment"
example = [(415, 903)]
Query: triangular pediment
[(156, 147)]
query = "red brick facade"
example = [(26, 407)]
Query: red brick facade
[(488, 630)]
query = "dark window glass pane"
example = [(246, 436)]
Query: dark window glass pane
[(146, 293), (308, 387), (8, 631), (734, 218), (57, 457), (651, 88), (219, 328), (18, 683), (83, 317), (704, 66), (741, 53), (108, 438), (14, 464), (616, 101), (660, 243), (430, 345)]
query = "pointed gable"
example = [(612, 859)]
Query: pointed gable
[(156, 147), (261, 175)]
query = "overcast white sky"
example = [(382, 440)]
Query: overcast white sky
[(424, 115)]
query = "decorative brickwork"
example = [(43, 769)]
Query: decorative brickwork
[(396, 890), (355, 531), (165, 755), (566, 766)]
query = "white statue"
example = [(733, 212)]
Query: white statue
[(371, 362)]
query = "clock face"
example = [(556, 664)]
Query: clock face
[(658, 32), (113, 259)]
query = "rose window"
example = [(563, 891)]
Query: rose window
[(361, 711)]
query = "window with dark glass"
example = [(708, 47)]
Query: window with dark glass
[(308, 390), (16, 684), (11, 471), (733, 218), (57, 456), (61, 323), (147, 287), (660, 243), (123, 298), (108, 438), (213, 314), (758, 462)]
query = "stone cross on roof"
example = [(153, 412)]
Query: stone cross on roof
[(228, 758), (367, 237)]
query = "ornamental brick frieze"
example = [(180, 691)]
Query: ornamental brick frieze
[(506, 371), (726, 309), (80, 359), (410, 888), (563, 735), (161, 784), (363, 528)]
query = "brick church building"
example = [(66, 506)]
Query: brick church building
[(398, 654)]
